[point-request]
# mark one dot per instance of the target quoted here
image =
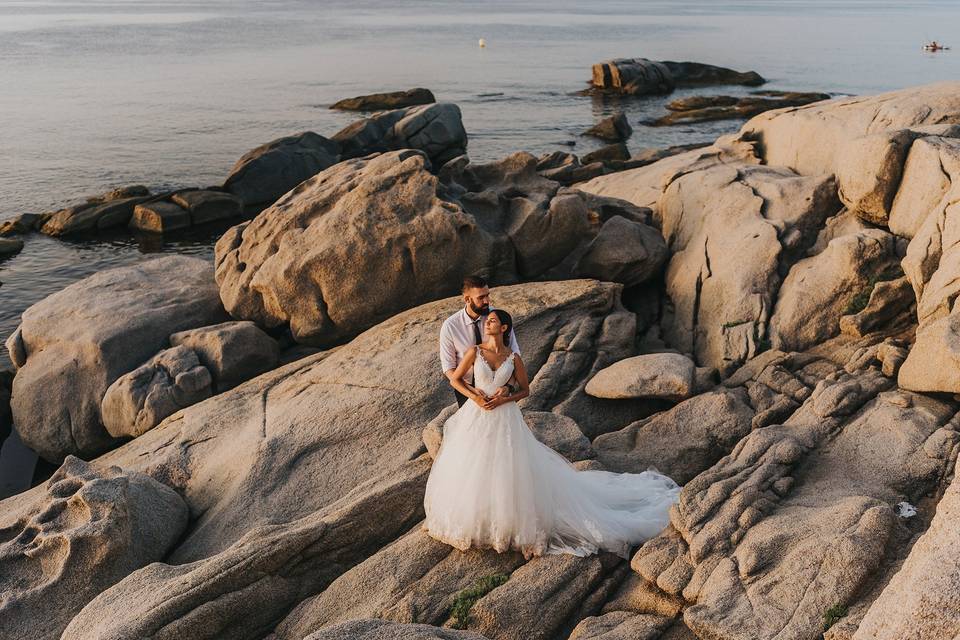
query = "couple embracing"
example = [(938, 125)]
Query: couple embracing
[(494, 485)]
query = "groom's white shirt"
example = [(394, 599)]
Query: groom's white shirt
[(457, 337)]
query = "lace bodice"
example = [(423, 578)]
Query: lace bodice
[(488, 380)]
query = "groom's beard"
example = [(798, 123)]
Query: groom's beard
[(480, 311)]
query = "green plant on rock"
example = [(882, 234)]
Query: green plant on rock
[(833, 615), (859, 301), (464, 601)]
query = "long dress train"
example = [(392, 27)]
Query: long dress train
[(494, 485)]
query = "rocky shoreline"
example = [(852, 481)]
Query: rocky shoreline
[(767, 318)]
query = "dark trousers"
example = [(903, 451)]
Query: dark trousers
[(461, 399)]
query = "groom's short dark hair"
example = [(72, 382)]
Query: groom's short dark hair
[(474, 282)]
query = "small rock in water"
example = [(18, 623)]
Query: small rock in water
[(10, 246), (906, 510)]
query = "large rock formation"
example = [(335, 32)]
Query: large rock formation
[(88, 529), (370, 237), (810, 139), (732, 232), (799, 518), (309, 432), (330, 446), (435, 129), (72, 345)]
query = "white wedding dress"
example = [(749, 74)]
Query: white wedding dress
[(494, 485)]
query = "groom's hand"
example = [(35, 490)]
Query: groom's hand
[(502, 391)]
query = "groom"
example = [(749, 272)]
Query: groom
[(464, 329)]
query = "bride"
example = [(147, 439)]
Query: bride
[(494, 485)]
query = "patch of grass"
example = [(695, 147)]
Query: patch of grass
[(464, 601), (859, 301), (833, 615)]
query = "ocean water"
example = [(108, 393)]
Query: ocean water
[(97, 94)]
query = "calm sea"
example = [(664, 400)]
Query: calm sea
[(99, 94)]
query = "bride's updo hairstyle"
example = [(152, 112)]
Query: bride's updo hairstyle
[(505, 318)]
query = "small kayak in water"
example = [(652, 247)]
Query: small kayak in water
[(934, 46)]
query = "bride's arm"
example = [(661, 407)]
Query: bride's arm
[(457, 381)]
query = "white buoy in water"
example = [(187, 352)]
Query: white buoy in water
[(483, 43)]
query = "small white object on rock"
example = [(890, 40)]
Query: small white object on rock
[(906, 510)]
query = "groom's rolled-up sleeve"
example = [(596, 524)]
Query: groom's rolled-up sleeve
[(448, 350), (514, 345)]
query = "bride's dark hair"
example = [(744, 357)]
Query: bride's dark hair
[(505, 318)]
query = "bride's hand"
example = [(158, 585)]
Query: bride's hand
[(494, 402), (481, 399)]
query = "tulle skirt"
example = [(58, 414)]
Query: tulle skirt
[(494, 485)]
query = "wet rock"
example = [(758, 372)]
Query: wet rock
[(264, 174), (680, 442), (609, 154), (656, 375), (389, 100), (232, 352), (639, 76), (92, 216), (691, 74), (10, 247), (711, 108), (6, 418), (159, 217), (821, 289), (633, 76), (75, 343), (435, 129), (138, 401), (121, 193), (20, 224), (86, 529), (207, 206), (613, 128)]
